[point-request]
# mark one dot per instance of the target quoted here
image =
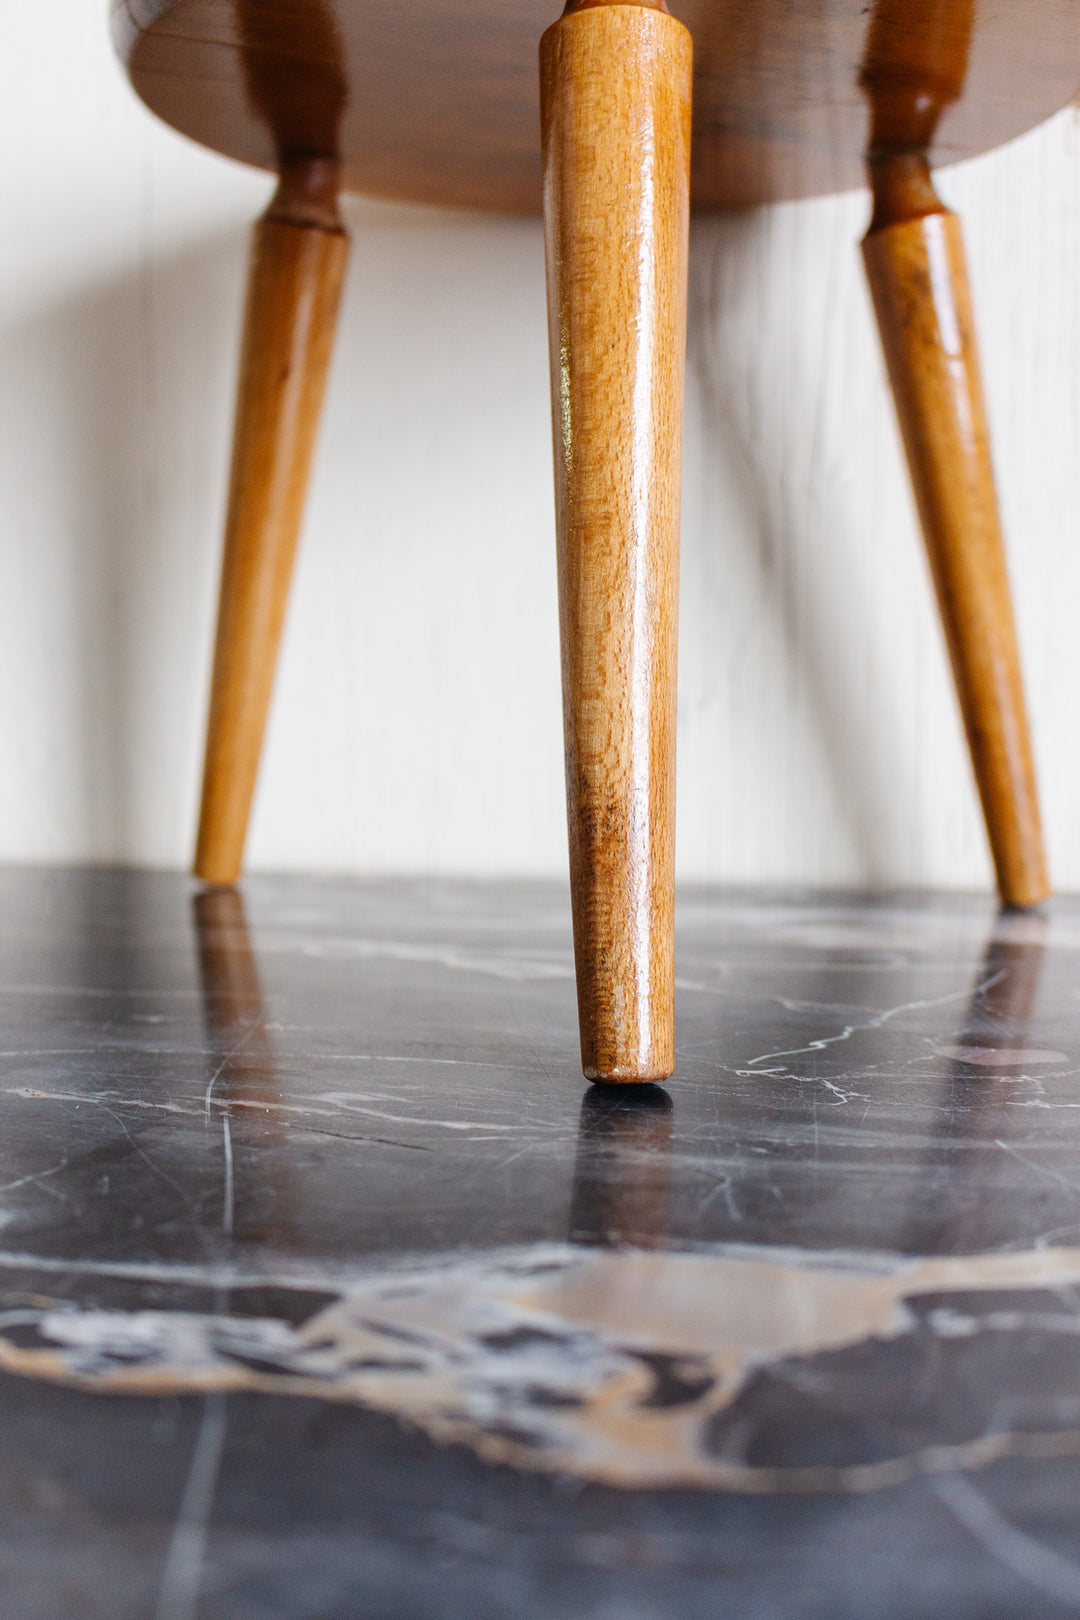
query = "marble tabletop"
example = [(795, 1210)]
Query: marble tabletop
[(329, 1289)]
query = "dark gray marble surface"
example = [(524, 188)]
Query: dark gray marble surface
[(328, 1289)]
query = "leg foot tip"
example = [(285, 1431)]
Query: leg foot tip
[(617, 1076), (215, 877), (1026, 899)]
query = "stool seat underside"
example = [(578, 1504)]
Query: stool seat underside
[(434, 103)]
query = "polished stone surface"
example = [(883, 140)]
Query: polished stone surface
[(328, 1289)]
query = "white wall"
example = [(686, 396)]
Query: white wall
[(416, 721)]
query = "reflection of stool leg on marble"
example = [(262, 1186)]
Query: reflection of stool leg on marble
[(622, 1175), (232, 995), (1004, 998), (975, 1120), (914, 67), (615, 99), (298, 261), (245, 1092)]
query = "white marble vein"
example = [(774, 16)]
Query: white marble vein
[(546, 1357)]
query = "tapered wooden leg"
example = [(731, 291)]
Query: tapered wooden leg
[(615, 101), (298, 258), (914, 259)]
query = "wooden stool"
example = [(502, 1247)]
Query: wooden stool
[(437, 103)]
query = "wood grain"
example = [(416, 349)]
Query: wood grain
[(615, 98), (914, 256), (298, 258), (437, 103)]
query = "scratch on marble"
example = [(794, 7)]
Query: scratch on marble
[(345, 1101), (145, 1157), (336, 1103), (723, 1187), (876, 1022), (1036, 1102), (426, 1061), (178, 1593), (35, 1094), (228, 1195), (229, 1057), (1038, 1565), (1039, 1169), (97, 1100), (35, 1178), (380, 1141), (520, 967), (226, 1128)]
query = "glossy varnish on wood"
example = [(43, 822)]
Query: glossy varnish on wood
[(298, 257), (419, 99), (914, 257), (615, 96), (436, 101)]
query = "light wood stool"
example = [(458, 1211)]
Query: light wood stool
[(438, 103)]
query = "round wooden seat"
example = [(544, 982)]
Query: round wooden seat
[(438, 103)]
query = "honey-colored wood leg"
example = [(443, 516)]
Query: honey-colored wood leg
[(615, 108), (298, 257), (914, 258)]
